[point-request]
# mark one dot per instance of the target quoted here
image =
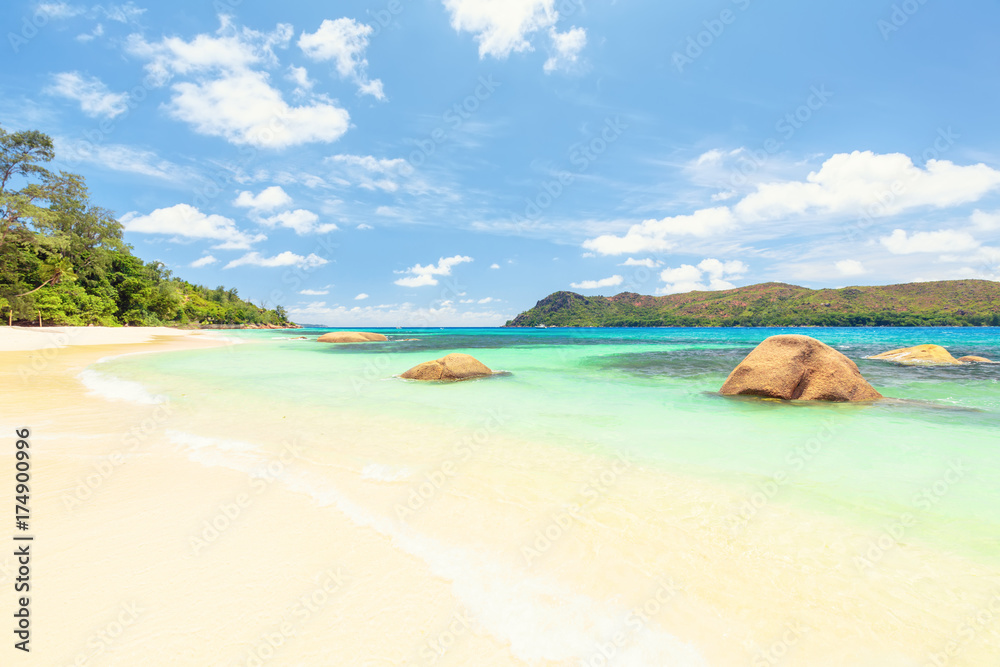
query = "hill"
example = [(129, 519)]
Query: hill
[(63, 259), (941, 303)]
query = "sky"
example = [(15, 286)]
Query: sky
[(451, 162)]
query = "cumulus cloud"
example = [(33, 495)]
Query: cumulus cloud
[(847, 184), (648, 263), (566, 47), (422, 276), (95, 98), (494, 266), (267, 199), (301, 221), (344, 41), (659, 235), (287, 258), (612, 281), (314, 292), (185, 222), (850, 267), (502, 26), (226, 96), (390, 315), (361, 297), (204, 261), (688, 278), (945, 240)]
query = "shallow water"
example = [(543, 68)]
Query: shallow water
[(648, 396)]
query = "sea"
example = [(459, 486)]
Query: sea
[(576, 414)]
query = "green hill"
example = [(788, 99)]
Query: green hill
[(941, 303), (63, 259)]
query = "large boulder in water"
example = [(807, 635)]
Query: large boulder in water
[(451, 367), (351, 337), (795, 367), (975, 360), (920, 354)]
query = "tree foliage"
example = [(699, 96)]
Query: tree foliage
[(64, 258)]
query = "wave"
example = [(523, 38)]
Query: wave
[(112, 388), (538, 617)]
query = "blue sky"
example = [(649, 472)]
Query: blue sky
[(450, 162)]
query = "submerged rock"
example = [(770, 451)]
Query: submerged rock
[(351, 337), (795, 367), (451, 367), (972, 359), (920, 354)]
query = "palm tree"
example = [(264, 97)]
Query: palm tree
[(54, 271)]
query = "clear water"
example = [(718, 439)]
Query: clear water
[(652, 394)]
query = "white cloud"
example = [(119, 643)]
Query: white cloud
[(95, 98), (361, 297), (494, 266), (502, 26), (364, 225), (286, 258), (301, 221), (343, 41), (127, 13), (183, 221), (945, 240), (227, 98), (59, 10), (865, 181), (612, 281), (986, 221), (390, 315), (566, 47), (369, 172), (422, 276), (648, 263), (267, 199), (204, 261), (118, 157), (314, 292), (488, 299), (850, 267), (688, 278), (654, 235), (300, 77), (846, 185)]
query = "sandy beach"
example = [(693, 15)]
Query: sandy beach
[(162, 537)]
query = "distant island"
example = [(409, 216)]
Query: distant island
[(940, 303)]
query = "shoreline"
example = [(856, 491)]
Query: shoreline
[(207, 521)]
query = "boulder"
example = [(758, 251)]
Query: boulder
[(975, 360), (920, 354), (794, 367), (451, 367), (351, 337)]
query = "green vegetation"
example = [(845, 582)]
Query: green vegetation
[(943, 303), (63, 260)]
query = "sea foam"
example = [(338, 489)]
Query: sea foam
[(540, 618), (116, 389)]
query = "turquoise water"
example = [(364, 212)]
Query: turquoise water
[(652, 394)]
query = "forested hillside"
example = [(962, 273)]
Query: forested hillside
[(942, 303), (62, 258)]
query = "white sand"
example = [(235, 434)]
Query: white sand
[(20, 339)]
